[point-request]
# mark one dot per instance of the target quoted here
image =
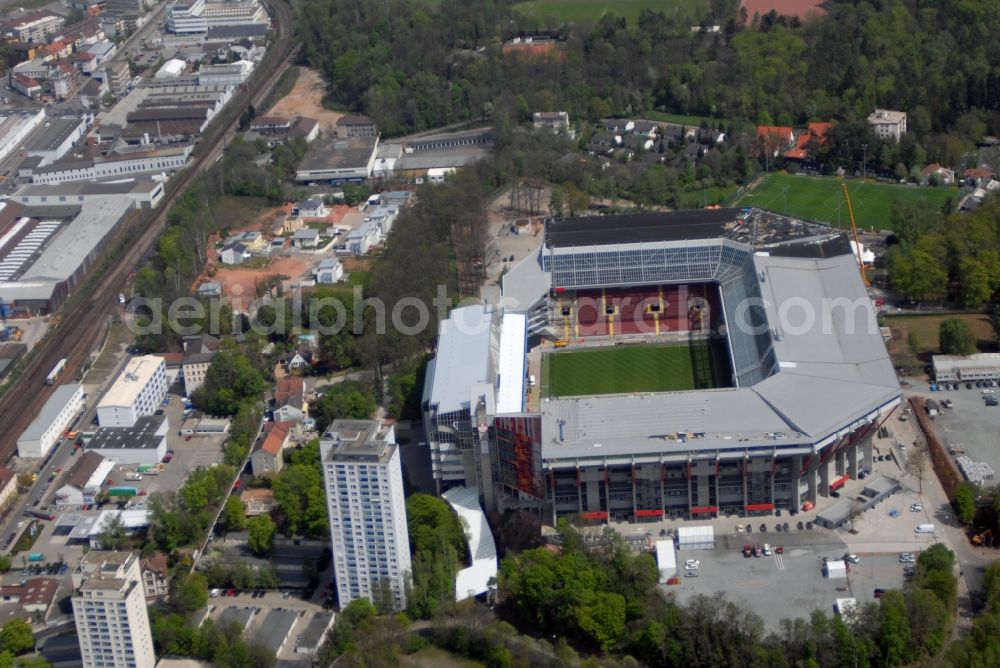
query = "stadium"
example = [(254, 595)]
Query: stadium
[(684, 364)]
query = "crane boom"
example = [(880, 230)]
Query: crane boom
[(857, 241)]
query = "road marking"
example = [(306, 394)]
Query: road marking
[(780, 561)]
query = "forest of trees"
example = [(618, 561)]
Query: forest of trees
[(938, 257), (414, 65)]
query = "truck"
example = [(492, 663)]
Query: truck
[(123, 490), (132, 476), (36, 556)]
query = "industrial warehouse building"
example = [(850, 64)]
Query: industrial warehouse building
[(963, 368), (143, 443), (64, 406), (84, 480), (136, 392), (780, 381)]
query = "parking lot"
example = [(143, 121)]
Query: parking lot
[(971, 423)]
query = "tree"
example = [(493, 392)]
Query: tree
[(16, 637), (189, 592), (261, 534), (916, 465), (113, 534), (955, 338), (965, 502), (234, 514), (5, 563)]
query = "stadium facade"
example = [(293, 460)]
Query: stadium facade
[(807, 384)]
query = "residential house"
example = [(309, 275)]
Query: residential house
[(155, 577), (257, 501), (85, 479), (289, 225), (235, 253), (976, 176), (329, 271), (298, 360), (361, 239), (268, 458), (305, 238), (888, 124), (554, 121), (815, 135), (306, 128), (944, 175), (198, 354), (774, 140), (254, 241), (8, 488), (311, 208), (92, 92), (290, 405)]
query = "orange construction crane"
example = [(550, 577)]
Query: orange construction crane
[(857, 241)]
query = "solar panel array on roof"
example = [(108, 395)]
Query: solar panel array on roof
[(29, 247)]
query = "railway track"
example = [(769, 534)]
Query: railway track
[(82, 321)]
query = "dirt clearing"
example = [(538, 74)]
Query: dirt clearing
[(306, 99)]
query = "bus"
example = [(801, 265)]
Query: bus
[(54, 374)]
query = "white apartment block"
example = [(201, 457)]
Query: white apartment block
[(36, 27), (184, 16), (64, 406), (109, 607), (194, 16), (136, 392), (367, 511), (888, 124)]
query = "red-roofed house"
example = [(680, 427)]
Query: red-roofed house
[(774, 139), (268, 459), (978, 174), (27, 86), (816, 132), (290, 400), (944, 175), (155, 577)]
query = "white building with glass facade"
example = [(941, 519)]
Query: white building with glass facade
[(367, 510)]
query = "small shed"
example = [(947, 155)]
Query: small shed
[(696, 538), (666, 560), (835, 569)]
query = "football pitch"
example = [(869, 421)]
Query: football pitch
[(821, 198), (593, 10), (635, 368)]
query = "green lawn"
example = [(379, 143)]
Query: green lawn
[(633, 368), (682, 119), (821, 198), (592, 10), (698, 199)]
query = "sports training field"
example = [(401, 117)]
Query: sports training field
[(634, 368), (592, 10), (818, 198)]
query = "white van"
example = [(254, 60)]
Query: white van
[(924, 528), (767, 549)]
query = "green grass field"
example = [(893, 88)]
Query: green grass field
[(682, 119), (561, 11), (821, 198), (634, 368)]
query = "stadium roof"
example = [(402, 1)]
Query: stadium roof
[(513, 344), (473, 580), (526, 283), (832, 371), (463, 357), (639, 228)]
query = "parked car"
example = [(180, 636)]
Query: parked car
[(785, 526), (691, 574), (907, 558), (747, 551), (916, 507), (878, 592), (692, 564), (852, 558)]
